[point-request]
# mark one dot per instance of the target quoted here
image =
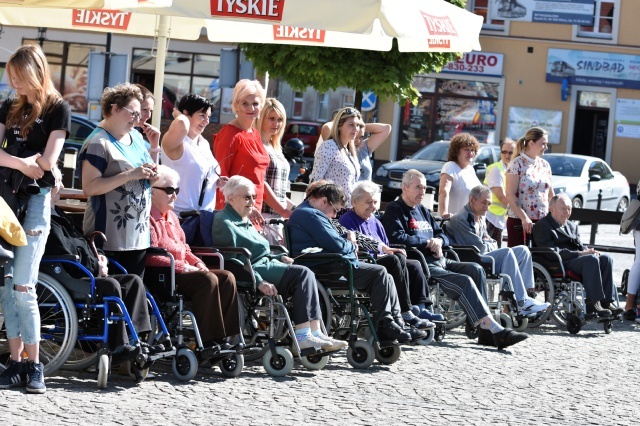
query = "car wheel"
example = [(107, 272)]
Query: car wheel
[(623, 204), (576, 203)]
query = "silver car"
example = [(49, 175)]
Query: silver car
[(582, 178)]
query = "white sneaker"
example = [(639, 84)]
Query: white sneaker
[(336, 345), (532, 306), (638, 320), (312, 341)]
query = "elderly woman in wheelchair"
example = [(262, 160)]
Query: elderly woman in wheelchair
[(274, 273)]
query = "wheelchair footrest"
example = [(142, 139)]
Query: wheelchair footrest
[(214, 352), (388, 343)]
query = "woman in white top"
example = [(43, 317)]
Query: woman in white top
[(188, 153), (336, 159), (458, 176)]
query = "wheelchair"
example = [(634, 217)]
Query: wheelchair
[(75, 323), (563, 289), (183, 326)]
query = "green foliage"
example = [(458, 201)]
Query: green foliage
[(388, 74)]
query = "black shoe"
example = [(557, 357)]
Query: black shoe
[(391, 331), (508, 337), (152, 349), (596, 308), (35, 378), (123, 353), (630, 315), (16, 375), (615, 311)]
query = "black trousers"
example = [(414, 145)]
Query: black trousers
[(299, 283), (409, 279), (131, 290), (132, 260)]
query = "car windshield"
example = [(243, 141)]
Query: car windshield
[(433, 152), (565, 166)]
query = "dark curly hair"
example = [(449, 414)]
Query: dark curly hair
[(460, 141)]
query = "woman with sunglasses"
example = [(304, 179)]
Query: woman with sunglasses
[(274, 274), (212, 293), (495, 180), (528, 186), (458, 176), (117, 173), (336, 158)]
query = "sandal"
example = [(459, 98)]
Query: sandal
[(630, 315)]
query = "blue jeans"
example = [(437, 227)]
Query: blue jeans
[(21, 314)]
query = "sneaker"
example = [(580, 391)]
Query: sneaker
[(35, 378), (14, 375), (615, 310), (415, 333), (336, 345), (420, 324), (312, 341), (390, 331), (630, 315), (508, 337), (596, 308), (428, 315), (532, 306)]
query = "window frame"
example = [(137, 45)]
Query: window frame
[(489, 28), (598, 37)]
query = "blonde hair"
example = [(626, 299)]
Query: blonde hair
[(272, 104), (244, 88), (29, 65), (338, 121), (533, 134)]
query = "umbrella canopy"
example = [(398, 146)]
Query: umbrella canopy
[(87, 4)]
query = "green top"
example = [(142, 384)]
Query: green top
[(230, 230)]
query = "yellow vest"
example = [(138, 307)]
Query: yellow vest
[(497, 208)]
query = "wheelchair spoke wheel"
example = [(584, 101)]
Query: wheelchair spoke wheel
[(388, 355), (505, 320), (232, 366), (545, 290), (360, 354), (280, 365), (573, 324), (451, 310), (607, 327), (58, 323), (314, 362), (103, 371), (522, 324), (185, 365)]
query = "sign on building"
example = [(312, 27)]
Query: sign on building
[(572, 12)]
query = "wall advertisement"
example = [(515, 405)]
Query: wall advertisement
[(571, 12), (628, 118), (522, 119)]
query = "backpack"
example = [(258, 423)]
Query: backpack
[(630, 217)]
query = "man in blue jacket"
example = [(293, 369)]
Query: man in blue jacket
[(408, 222)]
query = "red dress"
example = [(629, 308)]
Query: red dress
[(241, 152)]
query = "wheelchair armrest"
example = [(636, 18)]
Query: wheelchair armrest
[(157, 250), (400, 246), (448, 251), (240, 266), (470, 248), (278, 248), (276, 221), (209, 252), (56, 257)]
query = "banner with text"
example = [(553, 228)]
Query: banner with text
[(522, 119), (483, 63), (628, 118), (594, 68), (572, 12)]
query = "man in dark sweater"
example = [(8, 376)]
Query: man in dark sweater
[(408, 222)]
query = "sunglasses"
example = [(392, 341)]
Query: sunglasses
[(169, 190), (350, 111), (134, 114), (506, 152)]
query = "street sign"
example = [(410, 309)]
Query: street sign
[(368, 100)]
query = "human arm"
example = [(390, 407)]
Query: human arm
[(461, 231), (446, 180), (396, 226), (273, 202), (495, 180), (512, 197), (325, 132), (545, 235), (93, 182), (153, 135), (322, 159), (379, 133), (173, 139)]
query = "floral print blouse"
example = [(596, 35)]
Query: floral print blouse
[(534, 181)]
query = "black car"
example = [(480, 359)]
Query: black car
[(81, 127), (429, 160)]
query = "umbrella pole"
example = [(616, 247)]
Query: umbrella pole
[(163, 31)]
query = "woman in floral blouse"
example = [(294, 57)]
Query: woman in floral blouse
[(528, 186)]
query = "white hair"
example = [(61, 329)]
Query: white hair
[(235, 183)]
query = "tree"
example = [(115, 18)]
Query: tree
[(388, 74)]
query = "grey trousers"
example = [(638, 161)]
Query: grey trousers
[(597, 276), (375, 281)]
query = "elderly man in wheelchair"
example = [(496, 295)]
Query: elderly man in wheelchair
[(408, 222), (468, 228), (596, 270)]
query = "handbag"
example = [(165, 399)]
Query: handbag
[(197, 224), (630, 217)]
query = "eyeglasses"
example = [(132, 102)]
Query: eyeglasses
[(134, 114), (350, 111), (169, 190), (506, 152), (248, 198), (334, 207)]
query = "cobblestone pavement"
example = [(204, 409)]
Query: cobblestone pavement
[(553, 378)]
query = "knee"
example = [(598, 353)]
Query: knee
[(26, 300)]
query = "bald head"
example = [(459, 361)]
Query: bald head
[(560, 208)]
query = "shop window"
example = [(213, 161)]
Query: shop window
[(323, 107), (184, 73), (298, 100), (69, 65), (605, 22), (5, 88), (483, 8)]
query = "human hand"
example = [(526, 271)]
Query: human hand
[(146, 171), (527, 226), (445, 215), (286, 259), (176, 113), (103, 263), (30, 167), (152, 133), (256, 217), (222, 181), (390, 250), (268, 289)]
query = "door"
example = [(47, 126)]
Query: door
[(591, 124)]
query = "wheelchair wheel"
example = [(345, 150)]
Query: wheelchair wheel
[(452, 311), (607, 327), (505, 320), (58, 323), (325, 308), (314, 362), (440, 332), (388, 355), (103, 371), (573, 324), (232, 366), (431, 333), (470, 330), (185, 365), (521, 325), (280, 366), (625, 282), (545, 289), (360, 354)]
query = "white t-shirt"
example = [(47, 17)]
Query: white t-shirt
[(463, 181), (196, 164)]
